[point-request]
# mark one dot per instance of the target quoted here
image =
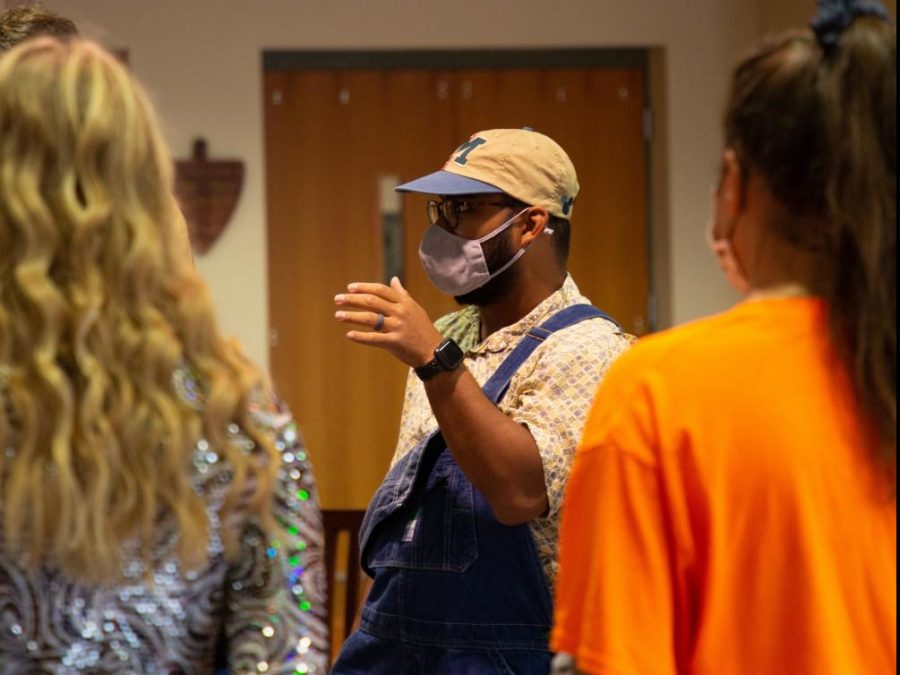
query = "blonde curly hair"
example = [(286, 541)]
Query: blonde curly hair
[(99, 306)]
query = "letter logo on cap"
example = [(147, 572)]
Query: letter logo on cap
[(466, 148), (567, 204)]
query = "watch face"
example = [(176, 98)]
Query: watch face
[(448, 355)]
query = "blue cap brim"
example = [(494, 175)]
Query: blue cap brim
[(446, 183)]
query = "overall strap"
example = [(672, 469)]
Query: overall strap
[(417, 463), (496, 387)]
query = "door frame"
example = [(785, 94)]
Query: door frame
[(652, 61)]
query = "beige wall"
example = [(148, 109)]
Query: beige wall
[(777, 15), (201, 63)]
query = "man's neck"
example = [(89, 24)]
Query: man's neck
[(515, 306)]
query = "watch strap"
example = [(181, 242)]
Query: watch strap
[(447, 357), (429, 370)]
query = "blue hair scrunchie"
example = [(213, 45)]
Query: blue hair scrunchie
[(834, 16)]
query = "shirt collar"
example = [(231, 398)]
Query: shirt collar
[(503, 339)]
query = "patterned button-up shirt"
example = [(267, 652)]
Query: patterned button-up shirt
[(550, 394)]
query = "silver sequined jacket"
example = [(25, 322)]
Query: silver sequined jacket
[(262, 613)]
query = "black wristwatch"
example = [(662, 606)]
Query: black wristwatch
[(447, 356)]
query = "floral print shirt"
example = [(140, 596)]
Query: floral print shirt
[(550, 394)]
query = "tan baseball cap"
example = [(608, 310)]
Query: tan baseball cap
[(521, 163)]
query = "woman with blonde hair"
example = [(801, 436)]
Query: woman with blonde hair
[(732, 507), (156, 509)]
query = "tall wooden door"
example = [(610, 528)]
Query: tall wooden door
[(334, 139)]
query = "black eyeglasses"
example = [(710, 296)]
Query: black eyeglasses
[(450, 209)]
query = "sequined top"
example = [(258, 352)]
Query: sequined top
[(550, 394), (264, 612)]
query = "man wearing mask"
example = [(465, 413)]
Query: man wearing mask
[(460, 539)]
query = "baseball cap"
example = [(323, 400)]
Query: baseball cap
[(522, 163)]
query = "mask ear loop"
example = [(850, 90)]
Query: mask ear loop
[(500, 229), (504, 226)]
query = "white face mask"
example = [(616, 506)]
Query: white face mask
[(457, 266), (724, 252)]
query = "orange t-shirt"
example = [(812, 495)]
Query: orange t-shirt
[(724, 516)]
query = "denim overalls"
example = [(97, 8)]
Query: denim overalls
[(454, 591)]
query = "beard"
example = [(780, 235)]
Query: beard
[(497, 252)]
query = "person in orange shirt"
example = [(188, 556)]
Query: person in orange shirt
[(732, 507)]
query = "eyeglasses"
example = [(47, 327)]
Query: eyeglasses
[(450, 209)]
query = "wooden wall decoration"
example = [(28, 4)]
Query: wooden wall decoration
[(208, 192)]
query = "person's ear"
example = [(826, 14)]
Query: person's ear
[(535, 220)]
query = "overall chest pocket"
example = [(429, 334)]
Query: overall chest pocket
[(435, 529)]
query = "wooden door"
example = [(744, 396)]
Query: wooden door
[(332, 135), (597, 116)]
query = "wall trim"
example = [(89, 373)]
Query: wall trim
[(277, 59)]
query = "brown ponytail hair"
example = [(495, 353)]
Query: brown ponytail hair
[(818, 123)]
